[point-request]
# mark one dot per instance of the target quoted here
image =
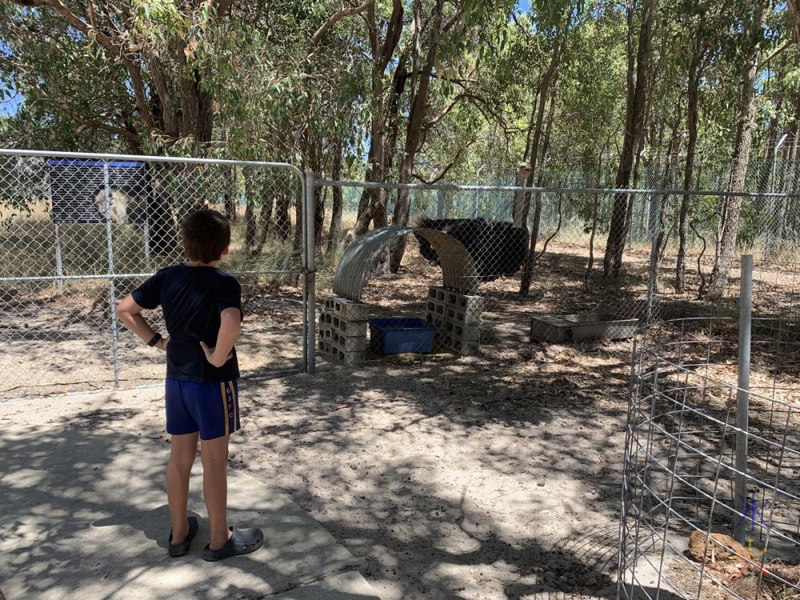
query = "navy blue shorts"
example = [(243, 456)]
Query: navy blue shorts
[(210, 408)]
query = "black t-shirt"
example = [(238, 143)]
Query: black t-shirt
[(192, 299)]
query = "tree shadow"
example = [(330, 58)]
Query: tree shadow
[(85, 517)]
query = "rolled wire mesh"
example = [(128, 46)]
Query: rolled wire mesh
[(679, 503), (78, 234)]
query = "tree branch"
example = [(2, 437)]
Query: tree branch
[(116, 49), (522, 29), (444, 112), (393, 33), (333, 19), (776, 52), (447, 168)]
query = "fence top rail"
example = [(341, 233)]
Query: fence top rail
[(564, 190), (148, 158)]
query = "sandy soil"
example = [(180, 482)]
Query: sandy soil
[(488, 477), (484, 477)]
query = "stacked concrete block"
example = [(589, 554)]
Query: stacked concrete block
[(457, 318), (343, 331)]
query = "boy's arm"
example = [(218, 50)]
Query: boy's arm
[(229, 329), (129, 312)]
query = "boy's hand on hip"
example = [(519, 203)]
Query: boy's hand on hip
[(162, 344), (209, 352)]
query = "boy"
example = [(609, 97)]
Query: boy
[(203, 313)]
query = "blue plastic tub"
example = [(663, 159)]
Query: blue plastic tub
[(397, 335)]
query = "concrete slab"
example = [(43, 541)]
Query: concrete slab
[(83, 514), (344, 586)]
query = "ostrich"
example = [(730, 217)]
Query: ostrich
[(522, 200)]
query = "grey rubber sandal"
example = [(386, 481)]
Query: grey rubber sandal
[(242, 541), (183, 549)]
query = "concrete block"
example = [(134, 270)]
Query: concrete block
[(463, 317), (435, 319), (350, 328), (348, 359), (451, 298), (465, 348), (434, 306), (465, 333), (467, 303), (349, 344), (442, 339), (557, 329), (347, 309), (437, 293)]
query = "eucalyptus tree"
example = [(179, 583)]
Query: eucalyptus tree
[(747, 55), (702, 22), (288, 84), (556, 23), (439, 43), (74, 95), (151, 48), (637, 79)]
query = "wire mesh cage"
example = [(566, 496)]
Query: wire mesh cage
[(711, 503)]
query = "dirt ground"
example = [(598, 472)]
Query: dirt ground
[(486, 477)]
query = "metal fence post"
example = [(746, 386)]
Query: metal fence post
[(59, 263), (112, 295), (743, 395), (652, 279), (309, 267)]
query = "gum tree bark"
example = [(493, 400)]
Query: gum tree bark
[(638, 66), (732, 204)]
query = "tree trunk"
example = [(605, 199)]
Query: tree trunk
[(691, 147), (319, 214), (283, 224), (197, 110), (789, 181), (634, 119), (336, 208), (549, 78), (297, 242), (229, 173), (265, 218), (666, 183), (732, 204), (250, 226), (372, 205), (527, 268), (596, 182), (419, 105)]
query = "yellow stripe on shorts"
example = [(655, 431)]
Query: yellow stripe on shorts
[(224, 393), (235, 406)]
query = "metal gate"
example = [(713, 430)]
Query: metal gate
[(79, 231)]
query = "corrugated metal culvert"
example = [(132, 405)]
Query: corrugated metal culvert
[(458, 268)]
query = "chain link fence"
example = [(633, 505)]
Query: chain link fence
[(78, 232), (670, 258)]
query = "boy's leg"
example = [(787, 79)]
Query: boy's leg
[(181, 458), (214, 454)]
